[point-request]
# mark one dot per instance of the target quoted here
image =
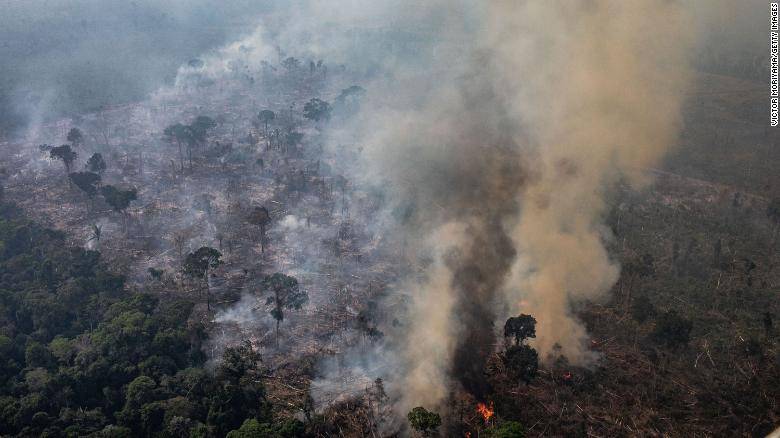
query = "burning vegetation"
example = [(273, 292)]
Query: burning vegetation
[(487, 411)]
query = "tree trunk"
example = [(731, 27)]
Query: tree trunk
[(208, 292), (181, 156), (278, 315)]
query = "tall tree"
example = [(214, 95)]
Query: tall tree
[(199, 263), (292, 65), (521, 360), (96, 163), (424, 421), (178, 134), (265, 117), (520, 328), (86, 181), (200, 128), (75, 137), (64, 153), (285, 294), (260, 217), (316, 110), (292, 139), (119, 199)]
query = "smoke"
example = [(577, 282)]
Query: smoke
[(433, 310), (70, 57), (601, 102), (503, 146)]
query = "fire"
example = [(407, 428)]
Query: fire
[(486, 411)]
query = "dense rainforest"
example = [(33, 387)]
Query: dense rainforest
[(82, 356)]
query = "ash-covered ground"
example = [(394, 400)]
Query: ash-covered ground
[(323, 228)]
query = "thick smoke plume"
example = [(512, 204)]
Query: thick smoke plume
[(505, 149), (598, 86)]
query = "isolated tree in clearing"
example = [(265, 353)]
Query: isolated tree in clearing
[(317, 110), (265, 117), (96, 163), (179, 135), (199, 263), (260, 217), (86, 181), (119, 199), (200, 128), (286, 294), (521, 360), (520, 328), (75, 137), (64, 153)]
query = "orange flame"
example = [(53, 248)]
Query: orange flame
[(486, 411)]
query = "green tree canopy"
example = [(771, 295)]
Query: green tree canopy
[(86, 181), (198, 263), (285, 294), (507, 429), (520, 328), (96, 163), (75, 137), (423, 420), (265, 117), (316, 110), (200, 128), (522, 361), (64, 153), (117, 198), (82, 356)]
